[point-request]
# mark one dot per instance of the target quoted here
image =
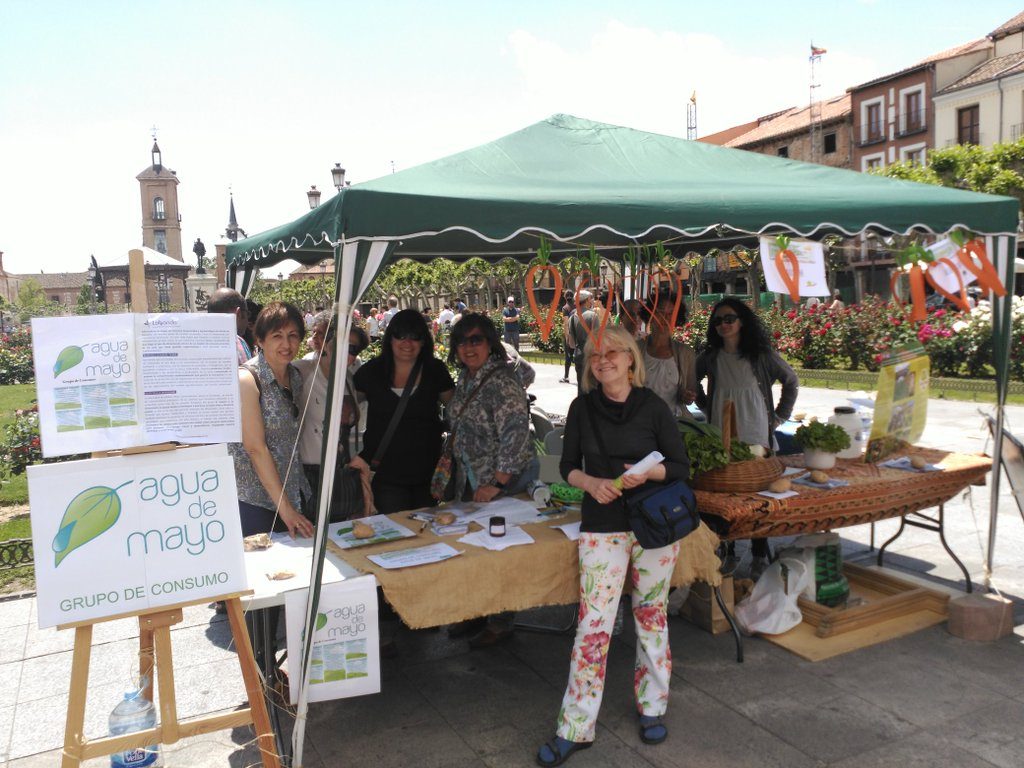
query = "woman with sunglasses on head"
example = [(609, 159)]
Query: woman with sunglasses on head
[(741, 365), (272, 488), (316, 369), (670, 364), (401, 478), (493, 453), (614, 424)]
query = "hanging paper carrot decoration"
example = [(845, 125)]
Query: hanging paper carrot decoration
[(544, 322), (983, 270), (788, 266), (910, 260), (960, 301), (584, 283), (676, 283)]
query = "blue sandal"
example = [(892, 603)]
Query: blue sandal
[(652, 729), (560, 750)]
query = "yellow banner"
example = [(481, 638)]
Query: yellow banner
[(901, 401)]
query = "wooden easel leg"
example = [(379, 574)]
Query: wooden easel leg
[(74, 738), (146, 659), (250, 675)]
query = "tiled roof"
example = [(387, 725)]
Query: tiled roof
[(992, 69), (793, 120), (960, 50), (1016, 24), (51, 280)]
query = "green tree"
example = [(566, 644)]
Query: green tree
[(32, 302), (998, 170)]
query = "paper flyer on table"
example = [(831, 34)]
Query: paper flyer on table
[(407, 558), (515, 511), (345, 657), (384, 529), (809, 256), (572, 530), (514, 537), (118, 381)]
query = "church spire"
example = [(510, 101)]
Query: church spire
[(233, 230), (157, 161)]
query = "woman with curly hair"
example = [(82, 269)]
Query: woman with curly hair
[(741, 365)]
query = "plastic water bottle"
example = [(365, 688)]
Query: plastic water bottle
[(539, 492), (134, 713)]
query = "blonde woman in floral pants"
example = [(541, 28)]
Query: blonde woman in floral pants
[(632, 422)]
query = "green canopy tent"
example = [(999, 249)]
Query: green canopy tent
[(582, 183)]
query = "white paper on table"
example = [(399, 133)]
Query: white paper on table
[(903, 462), (809, 256), (514, 536), (792, 471), (572, 530), (774, 495), (515, 511), (384, 529), (407, 558)]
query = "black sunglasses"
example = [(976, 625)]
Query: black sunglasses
[(471, 341), (727, 319), (288, 394), (410, 336)]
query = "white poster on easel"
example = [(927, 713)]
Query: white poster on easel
[(133, 533), (811, 258), (106, 382), (346, 640)]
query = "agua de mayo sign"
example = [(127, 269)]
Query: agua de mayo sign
[(133, 533)]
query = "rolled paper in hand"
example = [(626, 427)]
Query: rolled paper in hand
[(641, 467)]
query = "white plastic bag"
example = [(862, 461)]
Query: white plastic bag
[(771, 608)]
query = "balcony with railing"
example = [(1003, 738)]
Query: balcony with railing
[(1017, 132), (159, 216), (913, 122), (872, 133)]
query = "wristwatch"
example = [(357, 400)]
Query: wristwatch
[(498, 484)]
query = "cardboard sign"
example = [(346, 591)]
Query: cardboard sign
[(346, 640), (901, 405), (117, 381), (811, 258), (133, 533)]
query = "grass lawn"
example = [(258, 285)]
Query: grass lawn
[(14, 492), (14, 397)]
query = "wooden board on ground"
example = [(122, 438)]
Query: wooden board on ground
[(890, 607)]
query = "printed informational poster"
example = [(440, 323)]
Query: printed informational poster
[(384, 529), (901, 405), (942, 274), (346, 641), (117, 381), (811, 258), (133, 533)]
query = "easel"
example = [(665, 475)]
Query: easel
[(155, 653)]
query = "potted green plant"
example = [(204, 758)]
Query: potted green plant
[(821, 442)]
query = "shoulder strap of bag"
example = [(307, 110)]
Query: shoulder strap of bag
[(410, 384)]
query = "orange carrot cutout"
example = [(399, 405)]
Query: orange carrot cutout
[(789, 270), (676, 281), (961, 300), (544, 322), (918, 310), (649, 306), (988, 278)]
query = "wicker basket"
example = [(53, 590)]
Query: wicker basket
[(739, 476)]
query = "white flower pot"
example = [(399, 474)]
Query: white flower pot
[(815, 459)]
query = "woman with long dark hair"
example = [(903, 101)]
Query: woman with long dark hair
[(401, 479), (741, 365), (670, 364)]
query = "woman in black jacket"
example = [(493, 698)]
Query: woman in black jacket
[(615, 410)]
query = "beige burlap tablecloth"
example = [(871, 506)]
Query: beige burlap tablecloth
[(480, 581)]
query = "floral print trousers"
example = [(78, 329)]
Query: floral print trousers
[(605, 559)]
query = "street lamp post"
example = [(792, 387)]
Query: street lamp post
[(338, 177), (313, 196)]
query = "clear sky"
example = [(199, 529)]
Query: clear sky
[(264, 97)]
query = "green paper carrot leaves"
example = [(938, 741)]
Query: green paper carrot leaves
[(68, 358), (89, 514)]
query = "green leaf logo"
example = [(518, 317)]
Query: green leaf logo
[(68, 358), (89, 514), (321, 621)]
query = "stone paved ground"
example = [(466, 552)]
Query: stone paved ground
[(924, 700)]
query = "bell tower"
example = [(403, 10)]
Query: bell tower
[(161, 222)]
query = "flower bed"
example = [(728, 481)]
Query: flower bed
[(16, 357)]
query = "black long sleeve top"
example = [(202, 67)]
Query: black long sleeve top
[(630, 431)]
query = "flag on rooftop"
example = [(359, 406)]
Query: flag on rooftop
[(816, 51)]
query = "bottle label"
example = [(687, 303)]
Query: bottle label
[(135, 758)]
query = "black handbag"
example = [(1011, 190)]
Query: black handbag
[(660, 515)]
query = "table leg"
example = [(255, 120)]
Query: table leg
[(881, 549), (732, 623), (936, 524), (263, 650)]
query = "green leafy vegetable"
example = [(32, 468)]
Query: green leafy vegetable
[(68, 358), (820, 436), (89, 514), (706, 450)]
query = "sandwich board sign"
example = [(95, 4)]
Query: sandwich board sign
[(130, 534)]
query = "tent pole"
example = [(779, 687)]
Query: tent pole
[(997, 471)]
